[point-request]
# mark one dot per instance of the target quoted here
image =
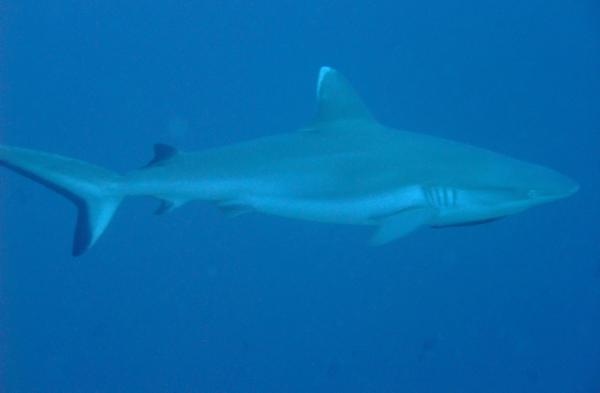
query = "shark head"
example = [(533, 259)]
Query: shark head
[(540, 185), (550, 186), (510, 187)]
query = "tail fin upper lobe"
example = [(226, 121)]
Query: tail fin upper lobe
[(95, 191)]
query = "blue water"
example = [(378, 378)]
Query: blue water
[(195, 302)]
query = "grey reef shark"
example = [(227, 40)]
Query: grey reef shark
[(344, 167)]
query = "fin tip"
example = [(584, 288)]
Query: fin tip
[(322, 73)]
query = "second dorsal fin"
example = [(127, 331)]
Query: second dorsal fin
[(337, 99), (162, 152)]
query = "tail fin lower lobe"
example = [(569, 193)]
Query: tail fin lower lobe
[(95, 191)]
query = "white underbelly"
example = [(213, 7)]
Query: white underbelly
[(365, 209), (459, 206)]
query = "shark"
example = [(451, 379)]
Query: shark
[(343, 167)]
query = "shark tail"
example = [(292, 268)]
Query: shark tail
[(95, 191)]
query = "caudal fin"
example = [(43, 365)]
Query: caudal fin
[(95, 191)]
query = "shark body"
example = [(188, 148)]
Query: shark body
[(344, 167)]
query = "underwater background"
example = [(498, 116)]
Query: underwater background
[(195, 302)]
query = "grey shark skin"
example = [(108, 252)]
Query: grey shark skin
[(344, 167)]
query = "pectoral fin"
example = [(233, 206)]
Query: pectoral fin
[(167, 206), (401, 224)]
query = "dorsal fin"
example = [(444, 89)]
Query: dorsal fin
[(162, 152), (337, 99)]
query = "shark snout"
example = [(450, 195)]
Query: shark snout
[(553, 186)]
